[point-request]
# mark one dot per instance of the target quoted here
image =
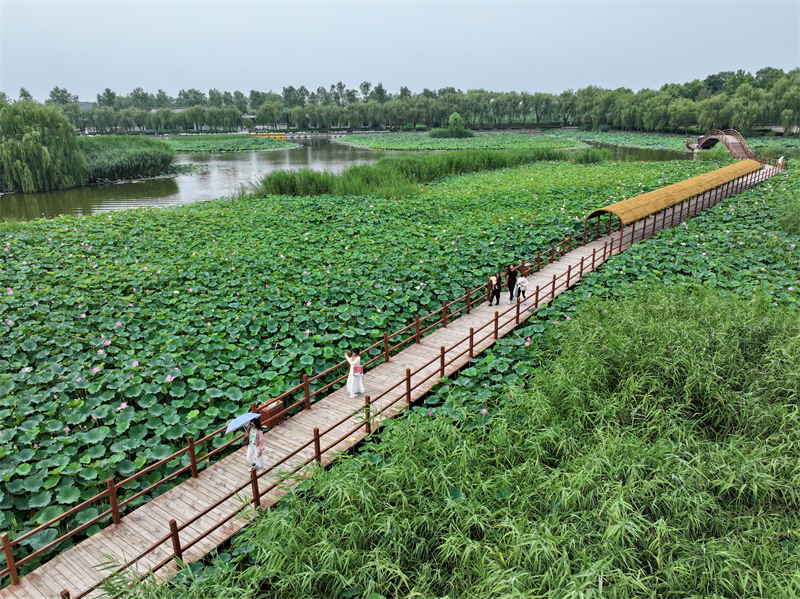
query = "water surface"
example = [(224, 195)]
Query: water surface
[(217, 175)]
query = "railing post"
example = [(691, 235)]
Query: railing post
[(633, 232), (594, 257), (176, 540), (65, 594), (496, 324), (367, 416), (441, 363), (536, 299), (254, 486), (112, 499), (569, 272), (306, 392), (469, 305), (385, 346), (192, 457), (518, 303), (580, 274), (408, 386), (12, 565), (552, 253), (471, 341), (317, 450), (444, 314), (538, 260), (553, 295)]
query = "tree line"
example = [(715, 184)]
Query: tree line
[(738, 100)]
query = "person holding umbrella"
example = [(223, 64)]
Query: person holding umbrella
[(254, 437), (255, 444)]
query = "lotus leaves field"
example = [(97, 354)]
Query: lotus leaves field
[(226, 143), (653, 141), (636, 437), (125, 333), (481, 141)]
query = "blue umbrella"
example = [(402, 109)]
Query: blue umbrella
[(240, 421)]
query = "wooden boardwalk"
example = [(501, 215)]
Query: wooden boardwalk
[(76, 569)]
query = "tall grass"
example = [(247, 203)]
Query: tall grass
[(125, 157), (790, 219), (397, 176), (654, 457)]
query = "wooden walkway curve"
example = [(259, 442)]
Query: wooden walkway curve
[(341, 420)]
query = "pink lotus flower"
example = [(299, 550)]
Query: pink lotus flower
[(99, 352), (119, 323), (96, 369), (107, 342), (9, 322), (308, 331), (122, 406), (135, 363), (80, 378), (83, 315), (484, 411), (66, 429), (170, 378)]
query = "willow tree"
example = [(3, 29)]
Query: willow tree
[(38, 149)]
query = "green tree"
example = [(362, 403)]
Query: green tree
[(456, 122), (140, 100), (191, 97), (59, 95), (25, 95), (107, 98), (163, 100), (38, 149), (365, 88), (240, 101), (269, 113), (215, 98)]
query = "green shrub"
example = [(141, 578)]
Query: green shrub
[(603, 128), (449, 133), (125, 157)]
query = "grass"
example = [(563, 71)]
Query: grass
[(649, 458), (397, 176), (790, 218), (125, 157)]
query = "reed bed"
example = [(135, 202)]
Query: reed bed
[(112, 158), (651, 457)]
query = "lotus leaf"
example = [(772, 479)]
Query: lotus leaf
[(41, 499), (41, 539)]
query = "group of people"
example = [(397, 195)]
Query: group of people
[(516, 282)]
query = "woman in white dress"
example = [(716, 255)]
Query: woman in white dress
[(354, 383)]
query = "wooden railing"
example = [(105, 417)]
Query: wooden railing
[(543, 294)]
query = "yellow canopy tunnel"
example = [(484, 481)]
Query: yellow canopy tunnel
[(639, 207)]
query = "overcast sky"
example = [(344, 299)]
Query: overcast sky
[(501, 46)]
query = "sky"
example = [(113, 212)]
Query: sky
[(523, 45)]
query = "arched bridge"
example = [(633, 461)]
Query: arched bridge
[(730, 138)]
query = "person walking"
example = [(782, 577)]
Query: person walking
[(355, 384), (255, 444), (495, 286), (522, 285), (511, 281)]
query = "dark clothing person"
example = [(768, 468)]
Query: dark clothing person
[(494, 289), (511, 281)]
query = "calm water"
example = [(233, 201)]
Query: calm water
[(219, 175)]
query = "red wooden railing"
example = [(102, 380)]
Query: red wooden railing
[(543, 294)]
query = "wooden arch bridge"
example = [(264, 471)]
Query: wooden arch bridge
[(197, 515), (730, 138)]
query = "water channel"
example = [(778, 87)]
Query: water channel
[(220, 175)]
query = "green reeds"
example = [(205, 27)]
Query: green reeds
[(790, 219), (397, 176), (125, 156), (653, 457)]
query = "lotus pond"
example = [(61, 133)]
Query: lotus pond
[(638, 436), (481, 141), (226, 143), (124, 333)]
